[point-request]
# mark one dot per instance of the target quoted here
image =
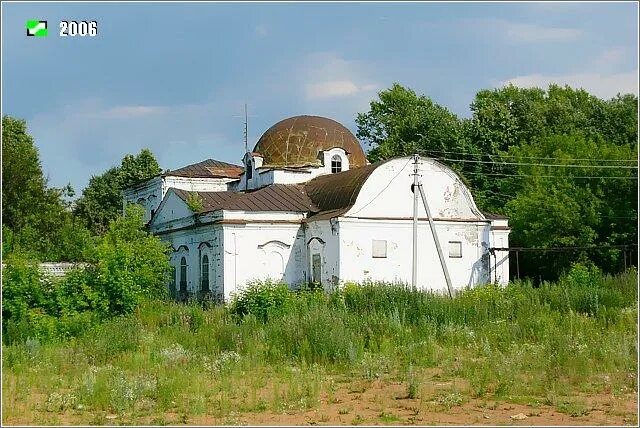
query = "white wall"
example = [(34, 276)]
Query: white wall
[(193, 240), (151, 193), (148, 194), (384, 210), (321, 238), (197, 184), (261, 251), (173, 209), (500, 260), (265, 176), (387, 192), (357, 261)]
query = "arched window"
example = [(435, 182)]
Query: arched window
[(204, 273), (249, 170), (336, 164), (183, 274), (172, 282)]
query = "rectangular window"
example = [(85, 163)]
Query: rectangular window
[(455, 249), (379, 249)]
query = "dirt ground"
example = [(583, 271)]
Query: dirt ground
[(387, 403)]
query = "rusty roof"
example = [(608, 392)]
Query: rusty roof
[(339, 191), (275, 197), (323, 197), (209, 168), (296, 141)]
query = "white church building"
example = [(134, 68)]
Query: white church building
[(306, 206)]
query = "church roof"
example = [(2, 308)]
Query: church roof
[(208, 168), (296, 142), (325, 196), (334, 194), (276, 197)]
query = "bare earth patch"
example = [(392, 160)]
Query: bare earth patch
[(382, 402)]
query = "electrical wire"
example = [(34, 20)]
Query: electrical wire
[(538, 164), (495, 174), (530, 157)]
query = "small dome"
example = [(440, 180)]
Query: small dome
[(296, 142)]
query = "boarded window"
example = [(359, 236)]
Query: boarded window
[(379, 249), (316, 262), (455, 249), (183, 274), (204, 273)]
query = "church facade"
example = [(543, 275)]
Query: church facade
[(306, 206)]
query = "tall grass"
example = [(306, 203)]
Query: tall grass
[(519, 341)]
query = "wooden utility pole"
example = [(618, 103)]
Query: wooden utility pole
[(414, 266), (437, 241)]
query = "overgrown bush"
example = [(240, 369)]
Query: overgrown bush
[(129, 266), (262, 299)]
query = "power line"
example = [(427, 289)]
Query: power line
[(529, 157), (495, 174), (559, 249), (539, 164)]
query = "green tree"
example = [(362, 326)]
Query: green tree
[(23, 184), (401, 123), (101, 200), (131, 264), (134, 169), (37, 217), (557, 207), (509, 117)]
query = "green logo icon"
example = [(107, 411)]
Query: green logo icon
[(36, 28)]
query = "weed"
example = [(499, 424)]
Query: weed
[(358, 420), (388, 418), (514, 344)]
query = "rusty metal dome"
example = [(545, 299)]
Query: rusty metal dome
[(297, 141)]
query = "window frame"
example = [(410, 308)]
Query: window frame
[(204, 273), (336, 164)]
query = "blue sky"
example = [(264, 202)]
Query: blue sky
[(174, 77)]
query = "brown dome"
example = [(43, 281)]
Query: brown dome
[(296, 141)]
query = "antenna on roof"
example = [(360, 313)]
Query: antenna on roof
[(246, 129)]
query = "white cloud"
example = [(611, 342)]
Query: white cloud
[(599, 84), (517, 32), (335, 88), (326, 75), (531, 33), (610, 58)]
